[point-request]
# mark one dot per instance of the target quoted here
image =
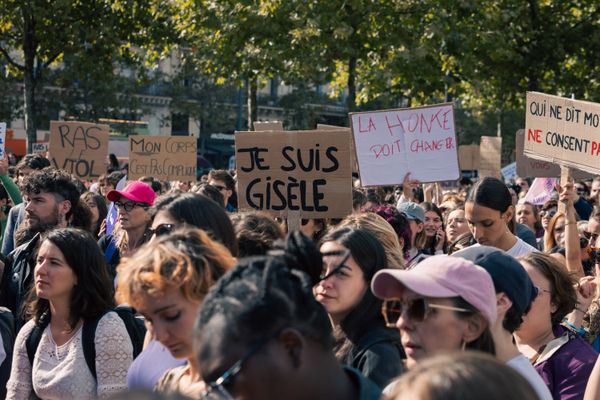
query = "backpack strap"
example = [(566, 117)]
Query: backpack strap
[(33, 340), (88, 341)]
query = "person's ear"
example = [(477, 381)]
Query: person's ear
[(420, 226), (508, 214), (503, 303), (64, 207), (293, 343), (476, 325)]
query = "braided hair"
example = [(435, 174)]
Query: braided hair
[(261, 295)]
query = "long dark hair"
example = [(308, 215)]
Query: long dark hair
[(200, 211), (430, 242), (369, 254), (92, 296), (100, 202), (492, 193)]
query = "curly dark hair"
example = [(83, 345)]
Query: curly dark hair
[(93, 294), (33, 161), (55, 181), (256, 233)]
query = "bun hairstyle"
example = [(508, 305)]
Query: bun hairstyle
[(261, 295)]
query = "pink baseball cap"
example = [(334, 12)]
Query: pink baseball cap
[(441, 276), (136, 191)]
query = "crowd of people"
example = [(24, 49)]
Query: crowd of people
[(164, 290)]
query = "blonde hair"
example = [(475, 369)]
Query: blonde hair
[(187, 259), (384, 233)]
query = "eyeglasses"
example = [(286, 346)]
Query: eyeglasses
[(130, 205), (345, 256), (539, 291), (548, 214), (221, 388), (162, 229), (416, 309), (590, 235), (219, 187)]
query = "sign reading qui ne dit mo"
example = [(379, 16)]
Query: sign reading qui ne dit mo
[(80, 148), (419, 140), (169, 158), (563, 131), (302, 172)]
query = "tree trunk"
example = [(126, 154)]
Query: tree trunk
[(351, 101), (29, 52), (252, 101)]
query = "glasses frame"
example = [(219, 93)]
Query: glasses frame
[(218, 385), (427, 306), (130, 205)]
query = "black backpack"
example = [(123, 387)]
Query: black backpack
[(135, 329)]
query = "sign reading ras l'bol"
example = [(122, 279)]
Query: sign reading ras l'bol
[(305, 172), (419, 140), (563, 131)]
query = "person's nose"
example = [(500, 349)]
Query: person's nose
[(160, 333)]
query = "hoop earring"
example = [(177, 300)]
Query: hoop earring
[(463, 345)]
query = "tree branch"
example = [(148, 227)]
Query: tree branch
[(10, 60)]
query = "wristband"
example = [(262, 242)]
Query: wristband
[(570, 223)]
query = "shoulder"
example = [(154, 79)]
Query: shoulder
[(26, 330), (110, 321)]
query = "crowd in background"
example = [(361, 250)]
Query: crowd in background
[(166, 290)]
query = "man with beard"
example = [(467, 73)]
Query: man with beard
[(16, 215), (51, 199)]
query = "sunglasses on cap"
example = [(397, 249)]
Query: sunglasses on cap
[(417, 310), (162, 229)]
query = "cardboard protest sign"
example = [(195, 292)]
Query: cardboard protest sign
[(170, 158), (529, 167), (268, 126), (419, 140), (563, 131), (300, 173), (2, 138), (80, 148), (353, 162), (40, 147), (490, 156), (468, 157)]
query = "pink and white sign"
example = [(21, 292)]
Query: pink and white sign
[(419, 140), (540, 191)]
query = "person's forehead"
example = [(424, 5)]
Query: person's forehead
[(596, 185)]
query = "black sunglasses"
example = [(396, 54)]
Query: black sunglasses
[(162, 229), (417, 310)]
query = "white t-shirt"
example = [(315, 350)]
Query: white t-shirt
[(520, 248), (524, 367)]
